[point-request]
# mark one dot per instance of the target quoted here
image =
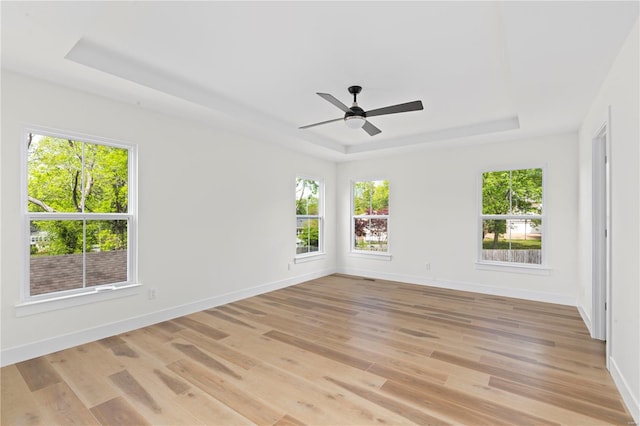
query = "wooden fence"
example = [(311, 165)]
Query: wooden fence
[(517, 256)]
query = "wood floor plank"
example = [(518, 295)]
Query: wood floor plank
[(300, 362), (534, 407), (155, 402), (152, 343), (213, 347), (200, 327), (38, 373), (315, 402), (133, 389), (335, 350), (209, 362), (118, 411), (254, 409), (602, 414), (119, 347), (80, 373), (289, 421), (63, 405), (319, 349), (548, 383), (177, 386), (18, 406), (418, 416)]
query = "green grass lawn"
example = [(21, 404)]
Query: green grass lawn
[(515, 244)]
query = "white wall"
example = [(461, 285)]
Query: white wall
[(214, 210), (434, 204), (621, 91)]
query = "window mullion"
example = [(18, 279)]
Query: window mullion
[(84, 253), (82, 182)]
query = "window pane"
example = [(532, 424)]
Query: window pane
[(106, 252), (371, 197), (526, 191), (307, 196), (518, 241), (307, 236), (106, 171), (54, 174), (65, 175), (495, 192), (512, 192), (56, 255), (370, 234)]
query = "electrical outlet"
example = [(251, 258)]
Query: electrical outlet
[(152, 293), (428, 266), (289, 266)]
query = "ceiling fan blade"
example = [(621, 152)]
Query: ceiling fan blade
[(371, 129), (333, 100), (322, 122), (394, 109)]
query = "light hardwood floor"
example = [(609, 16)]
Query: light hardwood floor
[(334, 351)]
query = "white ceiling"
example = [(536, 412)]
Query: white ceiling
[(484, 70)]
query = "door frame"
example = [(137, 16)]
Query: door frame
[(601, 234)]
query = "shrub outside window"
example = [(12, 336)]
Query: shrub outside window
[(308, 216), (78, 216), (512, 217), (370, 216)]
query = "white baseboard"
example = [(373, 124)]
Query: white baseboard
[(43, 347), (629, 398), (585, 319), (466, 286)]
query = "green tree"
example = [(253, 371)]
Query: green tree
[(309, 234), (371, 197)]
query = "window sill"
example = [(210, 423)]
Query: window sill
[(99, 294), (368, 255), (513, 267), (309, 258)]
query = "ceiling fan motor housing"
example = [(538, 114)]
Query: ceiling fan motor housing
[(355, 111)]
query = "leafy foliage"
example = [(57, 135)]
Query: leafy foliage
[(371, 198)]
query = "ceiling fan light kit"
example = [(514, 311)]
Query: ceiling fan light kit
[(356, 118), (355, 121)]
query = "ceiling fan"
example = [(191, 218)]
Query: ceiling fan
[(355, 117)]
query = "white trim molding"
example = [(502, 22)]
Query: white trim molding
[(537, 296), (99, 294), (631, 400), (585, 319)]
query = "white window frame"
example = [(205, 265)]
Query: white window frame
[(530, 268), (365, 253), (316, 255), (31, 304)]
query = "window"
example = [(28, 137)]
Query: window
[(308, 216), (370, 216), (512, 217), (79, 215)]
